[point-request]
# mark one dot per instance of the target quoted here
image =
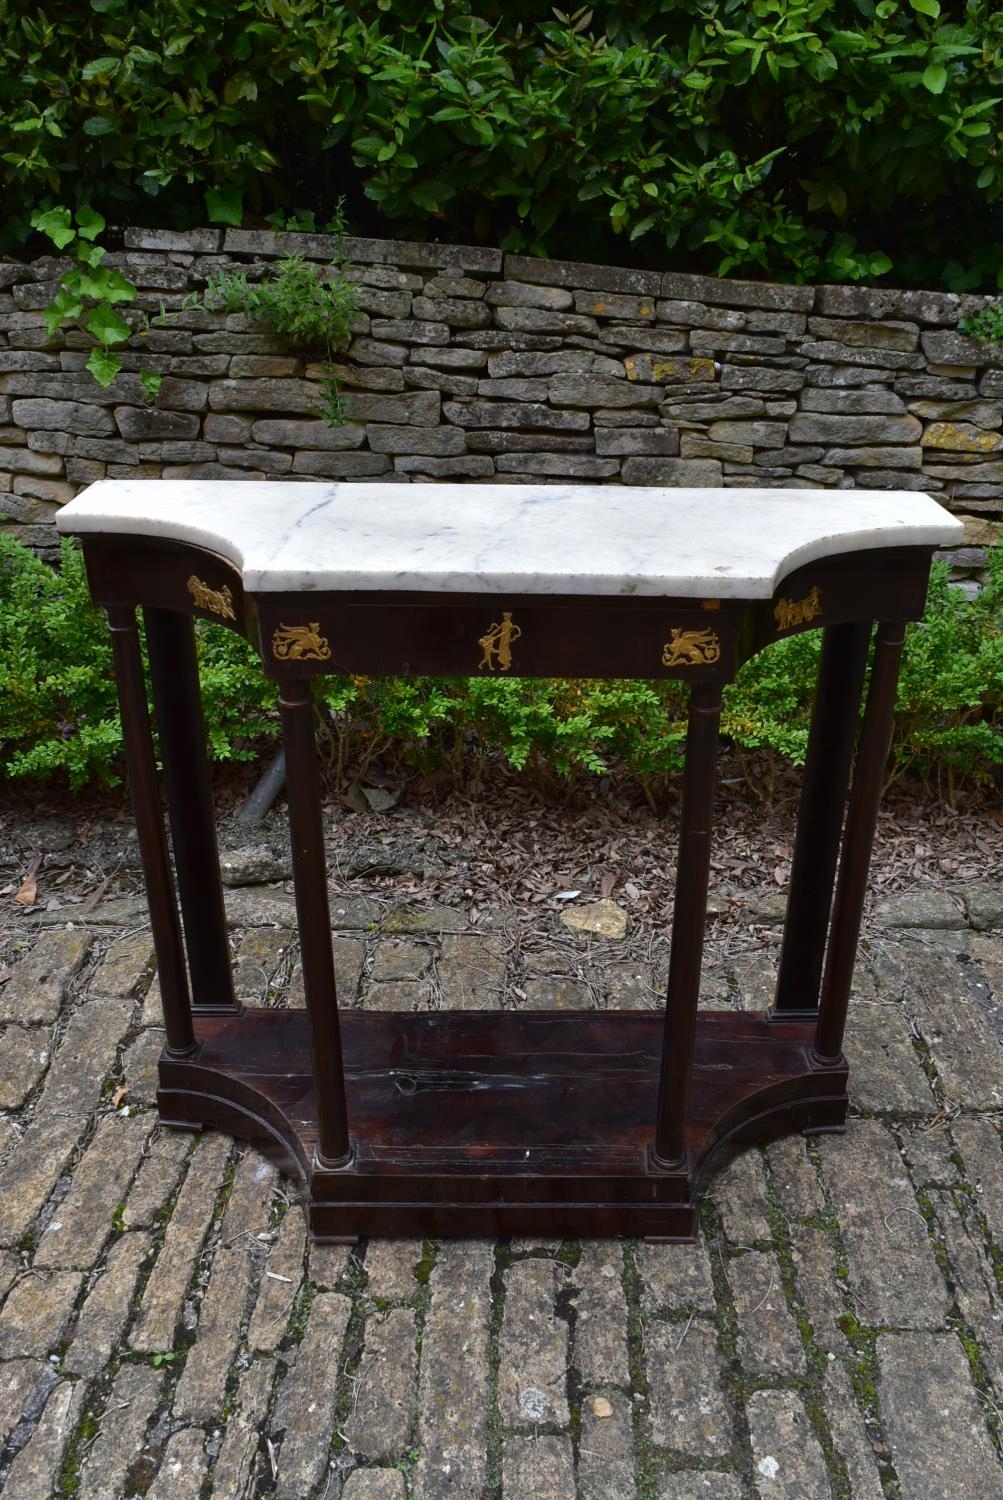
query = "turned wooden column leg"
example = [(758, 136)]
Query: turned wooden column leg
[(688, 921), (313, 914), (150, 830), (841, 673), (861, 821), (181, 732)]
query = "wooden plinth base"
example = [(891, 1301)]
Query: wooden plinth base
[(496, 1123)]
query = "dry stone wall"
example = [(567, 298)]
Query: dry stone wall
[(467, 364)]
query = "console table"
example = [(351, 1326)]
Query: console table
[(508, 1122)]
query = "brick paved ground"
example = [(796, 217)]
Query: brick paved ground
[(165, 1329)]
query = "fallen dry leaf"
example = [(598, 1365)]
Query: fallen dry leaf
[(601, 1407), (119, 1095), (28, 894)]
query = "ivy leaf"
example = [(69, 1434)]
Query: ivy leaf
[(225, 205), (89, 223), (64, 307), (935, 78), (89, 255), (55, 224), (103, 366), (929, 8), (118, 289), (106, 326), (97, 125), (92, 286)]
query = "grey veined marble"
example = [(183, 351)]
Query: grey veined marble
[(553, 539)]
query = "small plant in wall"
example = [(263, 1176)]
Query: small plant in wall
[(89, 292), (302, 305), (986, 325)]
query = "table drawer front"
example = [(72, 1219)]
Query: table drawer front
[(497, 639)]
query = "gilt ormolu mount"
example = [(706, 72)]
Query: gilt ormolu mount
[(496, 1123)]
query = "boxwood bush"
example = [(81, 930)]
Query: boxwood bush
[(58, 715)]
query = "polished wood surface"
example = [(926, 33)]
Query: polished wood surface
[(181, 732), (314, 918), (833, 733), (858, 838), (139, 758), (490, 1122), (505, 1123), (688, 919)]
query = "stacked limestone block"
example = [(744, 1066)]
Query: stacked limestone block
[(466, 364)]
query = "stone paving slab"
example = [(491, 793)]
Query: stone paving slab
[(167, 1329)]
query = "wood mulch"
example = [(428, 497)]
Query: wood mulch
[(506, 849), (523, 846)]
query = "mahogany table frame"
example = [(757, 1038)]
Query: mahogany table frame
[(500, 1123)]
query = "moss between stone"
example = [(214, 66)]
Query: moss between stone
[(928, 1211), (811, 1388), (348, 1374), (299, 1316), (863, 1366), (421, 1300), (980, 1377), (569, 1253), (423, 1270), (737, 1386), (68, 1479), (504, 1258), (922, 1051), (647, 1465)]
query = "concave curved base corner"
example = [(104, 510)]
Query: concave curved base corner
[(494, 1123)]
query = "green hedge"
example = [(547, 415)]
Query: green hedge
[(803, 139), (58, 716)]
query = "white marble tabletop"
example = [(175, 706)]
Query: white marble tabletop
[(502, 539)]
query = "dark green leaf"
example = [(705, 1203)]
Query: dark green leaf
[(100, 67), (225, 205)]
